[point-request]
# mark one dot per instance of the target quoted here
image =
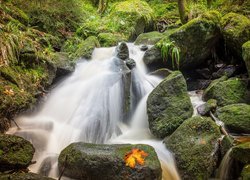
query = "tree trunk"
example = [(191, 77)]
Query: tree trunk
[(182, 11), (102, 6)]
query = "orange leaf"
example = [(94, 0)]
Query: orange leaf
[(135, 155)]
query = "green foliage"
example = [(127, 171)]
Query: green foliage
[(170, 50)]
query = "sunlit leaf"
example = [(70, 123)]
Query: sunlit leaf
[(135, 156)]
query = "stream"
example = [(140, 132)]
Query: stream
[(88, 106)]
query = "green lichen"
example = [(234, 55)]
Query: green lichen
[(245, 174), (246, 55)]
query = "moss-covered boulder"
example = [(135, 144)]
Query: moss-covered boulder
[(150, 38), (236, 31), (15, 152), (194, 41), (227, 91), (225, 144), (99, 161), (245, 173), (109, 39), (23, 176), (168, 105), (194, 146), (86, 48), (246, 55), (204, 109), (241, 153), (236, 117)]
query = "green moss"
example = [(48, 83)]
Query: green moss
[(245, 174), (168, 105), (241, 153), (236, 117), (246, 55), (236, 31), (193, 144), (150, 38), (227, 92), (110, 39)]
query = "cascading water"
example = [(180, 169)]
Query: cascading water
[(88, 106)]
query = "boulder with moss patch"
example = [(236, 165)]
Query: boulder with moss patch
[(15, 152), (150, 38), (245, 174), (246, 55), (241, 152), (109, 39), (209, 106), (194, 145), (236, 31), (168, 105), (236, 117), (195, 40), (100, 161), (227, 91)]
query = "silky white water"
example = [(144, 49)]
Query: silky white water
[(88, 106)]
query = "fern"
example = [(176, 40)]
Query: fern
[(170, 50)]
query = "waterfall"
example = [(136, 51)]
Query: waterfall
[(225, 165), (88, 106)]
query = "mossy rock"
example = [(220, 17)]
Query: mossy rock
[(209, 106), (100, 161), (194, 40), (226, 144), (23, 176), (109, 39), (15, 152), (236, 117), (241, 153), (194, 144), (246, 55), (168, 105), (245, 174), (150, 38), (231, 91), (236, 31), (86, 48)]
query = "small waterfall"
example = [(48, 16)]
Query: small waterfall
[(225, 166), (88, 106)]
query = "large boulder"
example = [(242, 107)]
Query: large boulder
[(194, 40), (168, 105), (150, 38), (109, 39), (241, 152), (194, 145), (98, 161), (227, 91), (246, 55), (15, 152), (23, 176), (236, 117), (236, 31)]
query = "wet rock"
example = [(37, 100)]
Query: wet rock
[(144, 48), (236, 117), (225, 144), (197, 84), (194, 145), (245, 174), (204, 109), (205, 73), (130, 63), (241, 153), (15, 152), (163, 72), (122, 51), (231, 91), (168, 105), (225, 71), (153, 58), (23, 176), (246, 55), (236, 31), (99, 161), (150, 38)]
